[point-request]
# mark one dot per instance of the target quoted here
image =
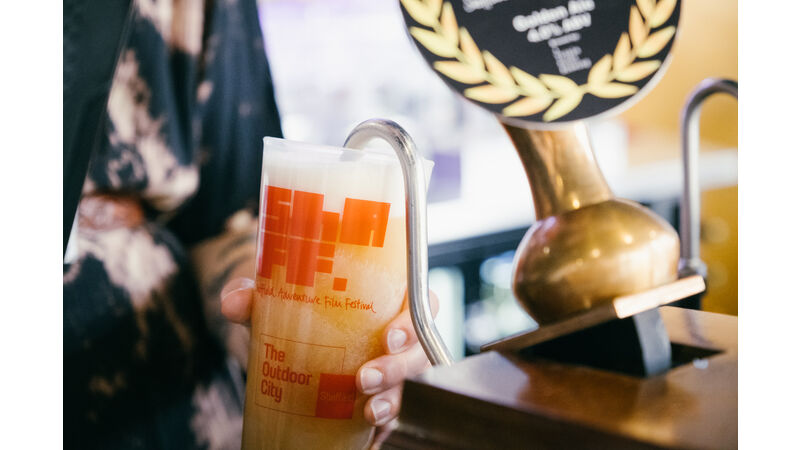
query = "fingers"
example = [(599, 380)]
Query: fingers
[(383, 407), (236, 298), (399, 335), (387, 371)]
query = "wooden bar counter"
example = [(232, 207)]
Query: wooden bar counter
[(500, 400)]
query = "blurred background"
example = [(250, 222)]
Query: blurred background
[(336, 63)]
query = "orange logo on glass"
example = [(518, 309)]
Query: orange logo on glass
[(302, 237)]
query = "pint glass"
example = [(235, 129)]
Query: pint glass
[(331, 273)]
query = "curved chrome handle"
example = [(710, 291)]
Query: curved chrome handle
[(416, 229), (690, 262)]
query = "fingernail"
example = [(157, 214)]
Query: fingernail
[(380, 410), (396, 339), (237, 285), (370, 379)]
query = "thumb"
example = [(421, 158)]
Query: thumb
[(236, 299)]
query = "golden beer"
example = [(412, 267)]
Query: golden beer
[(331, 274)]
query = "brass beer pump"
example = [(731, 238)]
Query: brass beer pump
[(593, 269), (587, 252), (610, 364), (587, 247)]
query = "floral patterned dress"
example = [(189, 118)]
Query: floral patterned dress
[(148, 360)]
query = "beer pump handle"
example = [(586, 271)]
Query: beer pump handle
[(690, 262), (416, 229)]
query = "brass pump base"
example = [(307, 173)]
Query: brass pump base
[(586, 247)]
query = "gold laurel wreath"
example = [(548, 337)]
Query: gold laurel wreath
[(468, 64)]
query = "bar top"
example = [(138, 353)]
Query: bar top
[(499, 400)]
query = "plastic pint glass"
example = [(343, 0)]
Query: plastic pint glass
[(331, 273)]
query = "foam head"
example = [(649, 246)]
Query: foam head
[(336, 172)]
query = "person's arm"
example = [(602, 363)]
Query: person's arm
[(235, 108), (228, 256)]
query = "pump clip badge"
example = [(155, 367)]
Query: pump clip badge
[(545, 61)]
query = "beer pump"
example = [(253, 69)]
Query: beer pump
[(609, 364)]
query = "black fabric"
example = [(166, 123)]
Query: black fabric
[(232, 177), (94, 31), (191, 98), (147, 377)]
